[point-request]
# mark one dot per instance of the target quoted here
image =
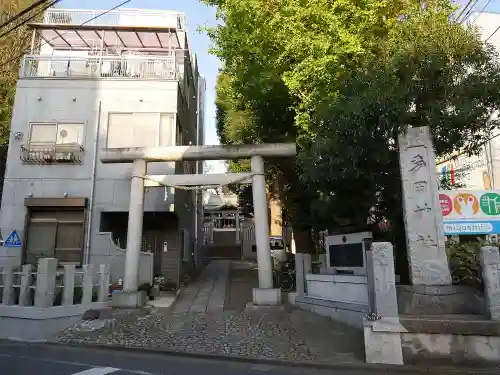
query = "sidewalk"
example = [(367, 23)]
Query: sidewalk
[(198, 323)]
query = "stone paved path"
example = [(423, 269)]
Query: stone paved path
[(207, 294), (243, 278), (198, 323)]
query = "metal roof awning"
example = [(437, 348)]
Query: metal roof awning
[(84, 37)]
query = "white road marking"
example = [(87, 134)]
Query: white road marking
[(136, 372), (97, 371)]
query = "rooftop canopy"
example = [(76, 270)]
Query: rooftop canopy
[(90, 37)]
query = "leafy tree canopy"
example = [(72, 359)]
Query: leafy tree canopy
[(429, 72), (12, 46), (343, 79)]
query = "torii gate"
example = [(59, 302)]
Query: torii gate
[(265, 294)]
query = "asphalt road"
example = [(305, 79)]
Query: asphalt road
[(39, 359)]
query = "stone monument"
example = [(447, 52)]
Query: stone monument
[(423, 220), (431, 291)]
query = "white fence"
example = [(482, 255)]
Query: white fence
[(119, 17), (44, 287), (99, 67), (37, 304)]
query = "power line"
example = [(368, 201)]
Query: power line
[(22, 13), (82, 24), (465, 152), (493, 33), (482, 10), (464, 9), (29, 19), (469, 12)]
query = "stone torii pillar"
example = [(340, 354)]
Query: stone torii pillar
[(265, 294)]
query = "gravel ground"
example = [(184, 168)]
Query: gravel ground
[(283, 333)]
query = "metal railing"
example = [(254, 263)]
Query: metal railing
[(49, 153), (119, 17), (99, 67)]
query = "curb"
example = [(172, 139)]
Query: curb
[(376, 368)]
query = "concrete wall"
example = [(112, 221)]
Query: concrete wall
[(88, 102), (343, 298), (340, 288)]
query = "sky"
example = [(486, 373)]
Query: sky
[(197, 14), (483, 5)]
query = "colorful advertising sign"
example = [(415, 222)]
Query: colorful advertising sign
[(470, 211)]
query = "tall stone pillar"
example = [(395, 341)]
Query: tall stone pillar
[(423, 219), (130, 297), (265, 294), (431, 291)]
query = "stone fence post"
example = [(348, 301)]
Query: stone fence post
[(8, 282), (383, 279), (322, 260), (381, 330), (45, 282), (104, 282), (302, 268), (88, 284), (24, 289), (490, 261)]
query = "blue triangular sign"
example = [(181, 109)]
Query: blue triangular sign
[(13, 240)]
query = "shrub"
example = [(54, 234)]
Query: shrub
[(145, 287), (77, 296), (464, 263)]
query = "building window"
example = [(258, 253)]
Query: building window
[(140, 129), (56, 234), (56, 133)]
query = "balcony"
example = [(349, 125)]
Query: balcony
[(119, 17), (50, 153), (133, 67)]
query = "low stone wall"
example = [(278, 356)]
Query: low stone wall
[(393, 339), (347, 313), (423, 339), (28, 311), (116, 258), (343, 298)]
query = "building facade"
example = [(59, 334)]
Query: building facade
[(126, 79), (482, 171)]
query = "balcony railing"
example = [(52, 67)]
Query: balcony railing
[(120, 17), (50, 153), (99, 67)]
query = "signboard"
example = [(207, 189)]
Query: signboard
[(470, 211), (13, 240)]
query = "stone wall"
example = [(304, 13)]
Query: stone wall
[(392, 338), (343, 298)]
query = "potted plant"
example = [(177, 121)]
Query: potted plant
[(116, 287), (158, 281)]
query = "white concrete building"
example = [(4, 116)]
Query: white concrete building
[(125, 79)]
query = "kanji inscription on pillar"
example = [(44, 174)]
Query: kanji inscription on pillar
[(423, 219)]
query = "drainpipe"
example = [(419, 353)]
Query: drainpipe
[(196, 213), (92, 188)]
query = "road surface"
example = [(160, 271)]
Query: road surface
[(38, 359)]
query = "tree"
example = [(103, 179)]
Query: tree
[(12, 46), (300, 70), (429, 72)]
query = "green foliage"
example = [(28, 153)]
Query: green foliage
[(77, 296), (429, 72), (464, 263), (342, 79), (11, 46), (145, 287)]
